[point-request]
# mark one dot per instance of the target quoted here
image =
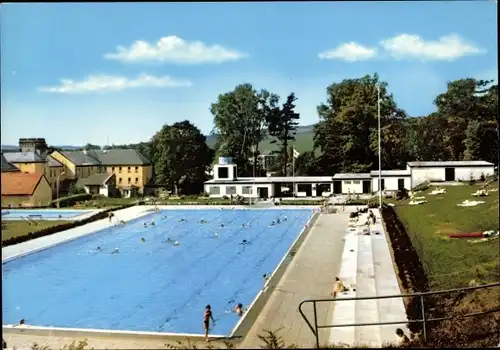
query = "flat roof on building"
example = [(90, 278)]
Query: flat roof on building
[(273, 179), (460, 163)]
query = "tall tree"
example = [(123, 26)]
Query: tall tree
[(240, 123), (181, 157), (464, 100), (282, 124), (347, 133)]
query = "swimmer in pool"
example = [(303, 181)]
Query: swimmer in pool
[(116, 251), (152, 222), (143, 240), (145, 224), (216, 235), (278, 220), (285, 218), (176, 243), (202, 221), (98, 249), (273, 223), (221, 225), (239, 309)]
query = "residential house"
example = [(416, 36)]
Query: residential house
[(20, 189), (133, 171), (8, 167), (103, 184)]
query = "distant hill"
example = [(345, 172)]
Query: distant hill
[(11, 148), (304, 140)]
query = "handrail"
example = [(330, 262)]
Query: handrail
[(423, 320)]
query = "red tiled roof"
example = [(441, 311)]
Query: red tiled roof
[(19, 184)]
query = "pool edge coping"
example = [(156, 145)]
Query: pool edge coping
[(91, 332), (243, 326), (239, 331)]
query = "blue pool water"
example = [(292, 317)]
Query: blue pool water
[(17, 214), (152, 285)]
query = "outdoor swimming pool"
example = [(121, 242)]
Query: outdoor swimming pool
[(152, 285), (45, 214)]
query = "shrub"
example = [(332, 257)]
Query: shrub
[(73, 189), (402, 194), (472, 181), (71, 200), (422, 187)]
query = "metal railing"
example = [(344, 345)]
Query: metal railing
[(314, 329)]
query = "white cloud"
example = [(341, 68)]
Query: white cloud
[(350, 52), (446, 48), (106, 83), (173, 49)]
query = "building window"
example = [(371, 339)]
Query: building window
[(129, 180), (223, 172), (120, 169), (347, 182), (128, 169), (356, 182), (136, 169), (136, 180), (214, 190), (246, 190), (119, 180), (231, 190), (113, 169)]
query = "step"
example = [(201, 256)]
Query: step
[(392, 309), (366, 310), (345, 311)]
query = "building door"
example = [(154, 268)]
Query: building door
[(401, 184), (337, 187), (382, 185), (263, 192), (449, 174), (366, 186)]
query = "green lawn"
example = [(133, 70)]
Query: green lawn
[(453, 262), (14, 228)]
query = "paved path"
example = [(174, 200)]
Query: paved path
[(309, 275)]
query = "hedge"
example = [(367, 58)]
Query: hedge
[(71, 200), (54, 229), (301, 202)]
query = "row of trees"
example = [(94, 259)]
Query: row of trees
[(463, 127)]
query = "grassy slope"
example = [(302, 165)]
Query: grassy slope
[(453, 262), (303, 142), (14, 228)]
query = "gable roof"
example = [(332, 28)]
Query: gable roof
[(97, 179), (52, 162), (20, 184), (7, 167), (23, 157), (80, 158), (106, 157)]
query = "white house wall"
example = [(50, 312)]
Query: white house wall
[(421, 175), (437, 174), (465, 173), (391, 183), (103, 191), (239, 190), (352, 186)]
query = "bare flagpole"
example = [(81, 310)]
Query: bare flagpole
[(379, 152)]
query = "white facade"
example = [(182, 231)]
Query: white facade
[(226, 182), (352, 186), (457, 171)]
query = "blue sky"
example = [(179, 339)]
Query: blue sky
[(80, 72)]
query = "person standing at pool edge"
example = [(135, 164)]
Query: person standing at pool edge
[(206, 320)]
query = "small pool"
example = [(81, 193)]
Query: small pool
[(44, 214), (151, 284)]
